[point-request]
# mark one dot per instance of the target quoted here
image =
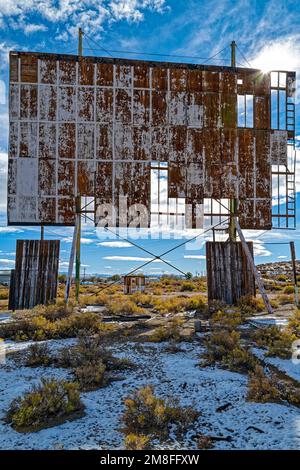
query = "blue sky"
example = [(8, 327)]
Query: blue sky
[(267, 33)]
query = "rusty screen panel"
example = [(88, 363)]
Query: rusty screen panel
[(93, 126)]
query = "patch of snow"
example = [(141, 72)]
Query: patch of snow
[(5, 317), (285, 365), (177, 374)]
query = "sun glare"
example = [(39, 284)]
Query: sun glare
[(278, 56)]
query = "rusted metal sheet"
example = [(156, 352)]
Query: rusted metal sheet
[(229, 274), (177, 180), (279, 147), (35, 274), (84, 119)]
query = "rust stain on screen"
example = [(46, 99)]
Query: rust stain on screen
[(93, 126)]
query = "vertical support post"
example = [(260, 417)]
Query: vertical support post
[(233, 202), (233, 54), (42, 232), (78, 207), (256, 274), (77, 262), (80, 35), (71, 263), (293, 257)]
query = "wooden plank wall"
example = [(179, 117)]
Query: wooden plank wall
[(229, 274), (35, 275)]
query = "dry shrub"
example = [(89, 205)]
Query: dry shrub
[(188, 286), (285, 299), (224, 347), (96, 299), (157, 291), (169, 305), (282, 278), (90, 361), (198, 303), (90, 375), (141, 299), (87, 360), (291, 394), (278, 342), (216, 305), (38, 355), (137, 442), (47, 404), (205, 442), (288, 290), (169, 332), (39, 328), (149, 415), (3, 293), (227, 320), (261, 388), (88, 349), (248, 304), (123, 307), (294, 323), (52, 312)]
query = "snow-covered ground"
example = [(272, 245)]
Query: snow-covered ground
[(285, 365), (248, 425)]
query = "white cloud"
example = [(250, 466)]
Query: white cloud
[(84, 241), (33, 28), (2, 92), (195, 256), (89, 14), (282, 257), (130, 258), (6, 261), (260, 250), (117, 244), (281, 54), (10, 230)]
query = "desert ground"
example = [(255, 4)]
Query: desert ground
[(163, 369)]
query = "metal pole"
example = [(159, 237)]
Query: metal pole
[(293, 257), (77, 259), (233, 202)]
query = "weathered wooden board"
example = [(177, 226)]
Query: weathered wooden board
[(229, 274), (35, 274), (70, 114)]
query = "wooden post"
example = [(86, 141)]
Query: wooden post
[(233, 48), (233, 202), (42, 232), (293, 257), (256, 274), (71, 263), (80, 34), (77, 262)]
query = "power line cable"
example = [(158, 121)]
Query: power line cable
[(98, 44), (244, 57), (108, 51), (155, 54)]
